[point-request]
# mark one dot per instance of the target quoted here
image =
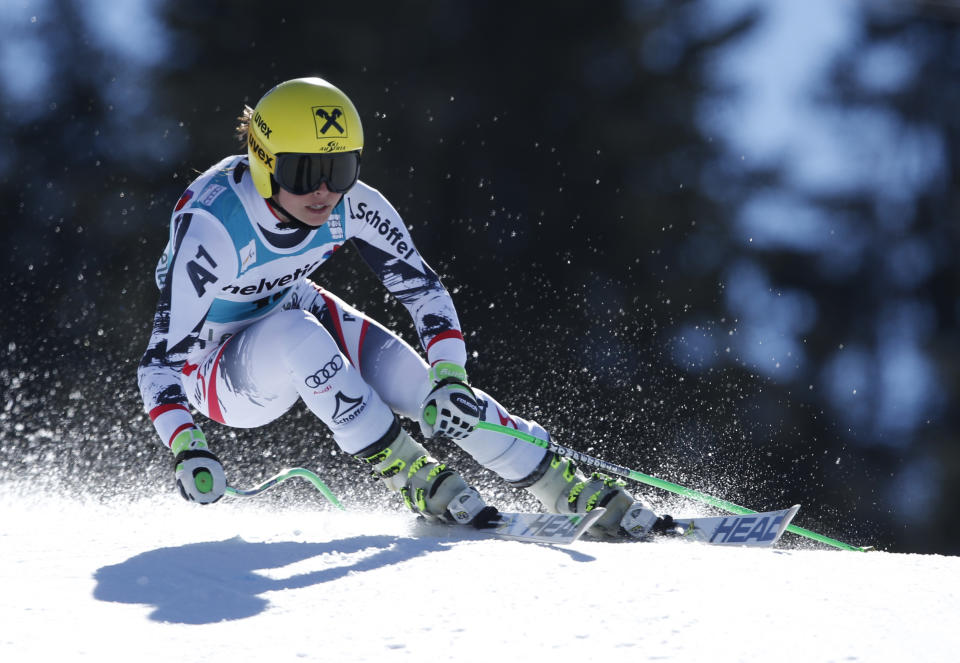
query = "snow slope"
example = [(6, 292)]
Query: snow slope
[(162, 580)]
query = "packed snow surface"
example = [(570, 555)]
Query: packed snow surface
[(163, 580)]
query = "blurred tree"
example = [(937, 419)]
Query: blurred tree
[(843, 282), (897, 302)]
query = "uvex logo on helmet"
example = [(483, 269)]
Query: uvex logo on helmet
[(257, 150), (262, 125), (330, 121)]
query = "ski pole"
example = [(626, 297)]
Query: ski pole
[(658, 483), (303, 473)]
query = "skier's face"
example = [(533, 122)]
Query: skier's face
[(312, 209)]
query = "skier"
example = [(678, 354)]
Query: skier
[(241, 332)]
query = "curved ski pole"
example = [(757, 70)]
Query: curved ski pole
[(283, 476), (658, 483)]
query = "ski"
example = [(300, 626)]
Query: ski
[(552, 528), (753, 529)]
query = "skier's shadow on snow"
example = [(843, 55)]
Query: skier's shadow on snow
[(202, 583)]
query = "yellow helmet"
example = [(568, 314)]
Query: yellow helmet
[(300, 116)]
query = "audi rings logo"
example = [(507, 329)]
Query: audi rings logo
[(326, 372)]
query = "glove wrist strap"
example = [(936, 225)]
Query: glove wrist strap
[(192, 438), (447, 369)]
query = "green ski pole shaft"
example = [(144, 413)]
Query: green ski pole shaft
[(303, 473), (620, 470)]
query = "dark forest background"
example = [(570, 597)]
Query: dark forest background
[(554, 164)]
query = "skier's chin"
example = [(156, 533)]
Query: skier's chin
[(312, 209)]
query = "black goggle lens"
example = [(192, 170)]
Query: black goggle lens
[(304, 173)]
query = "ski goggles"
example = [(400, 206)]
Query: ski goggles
[(304, 173)]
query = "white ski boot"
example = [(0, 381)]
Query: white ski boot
[(427, 486), (563, 489)]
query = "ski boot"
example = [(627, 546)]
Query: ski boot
[(561, 488), (428, 487)]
